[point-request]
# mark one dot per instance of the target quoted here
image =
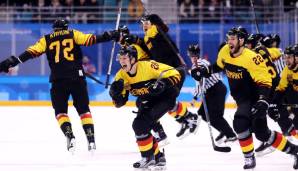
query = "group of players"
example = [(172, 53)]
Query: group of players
[(154, 72)]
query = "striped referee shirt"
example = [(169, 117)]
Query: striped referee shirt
[(210, 81), (279, 64)]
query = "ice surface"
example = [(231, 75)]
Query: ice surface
[(30, 140)]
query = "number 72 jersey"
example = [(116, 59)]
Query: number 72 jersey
[(63, 52)]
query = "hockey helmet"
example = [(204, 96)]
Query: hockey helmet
[(193, 50), (60, 24), (254, 39), (130, 51), (276, 38), (240, 31)]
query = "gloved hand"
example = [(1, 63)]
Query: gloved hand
[(273, 112), (130, 39), (113, 35), (260, 108), (116, 88), (198, 72), (156, 88), (12, 61)]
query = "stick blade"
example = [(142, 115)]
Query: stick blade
[(222, 149)]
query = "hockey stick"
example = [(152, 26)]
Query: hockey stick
[(94, 79), (162, 73), (215, 147), (113, 47), (254, 16)]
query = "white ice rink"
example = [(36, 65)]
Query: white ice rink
[(30, 140)]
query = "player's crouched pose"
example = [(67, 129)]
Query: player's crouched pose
[(155, 86)]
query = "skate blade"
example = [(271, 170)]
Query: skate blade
[(72, 150), (92, 152), (149, 168), (159, 168), (220, 141), (163, 143), (265, 152)]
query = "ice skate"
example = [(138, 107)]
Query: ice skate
[(71, 144), (230, 139), (264, 149), (145, 163), (249, 163), (193, 120), (91, 147), (183, 132), (220, 138), (162, 138)]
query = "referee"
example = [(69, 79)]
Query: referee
[(215, 92)]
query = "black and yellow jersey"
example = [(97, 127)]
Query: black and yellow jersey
[(275, 53), (245, 73), (159, 48), (147, 73), (142, 54), (63, 52), (267, 56), (289, 78)]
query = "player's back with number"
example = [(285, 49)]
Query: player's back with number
[(63, 51)]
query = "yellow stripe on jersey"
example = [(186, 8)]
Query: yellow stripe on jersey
[(275, 53), (151, 33), (82, 39), (38, 48), (248, 60), (142, 55)]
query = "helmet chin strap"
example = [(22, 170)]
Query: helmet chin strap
[(131, 65)]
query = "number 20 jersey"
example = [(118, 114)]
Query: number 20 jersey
[(63, 52)]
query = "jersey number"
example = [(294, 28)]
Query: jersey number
[(67, 45), (258, 59)]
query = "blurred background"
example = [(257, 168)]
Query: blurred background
[(204, 22)]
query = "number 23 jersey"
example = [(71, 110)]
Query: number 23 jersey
[(63, 52)]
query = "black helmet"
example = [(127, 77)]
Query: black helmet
[(60, 24), (156, 20), (193, 50), (289, 51), (254, 39), (123, 29), (295, 49), (241, 32), (267, 41), (131, 51), (276, 38)]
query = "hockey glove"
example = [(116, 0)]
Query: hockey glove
[(130, 39), (199, 72), (260, 108), (156, 88), (273, 112), (116, 88), (113, 35), (12, 61)]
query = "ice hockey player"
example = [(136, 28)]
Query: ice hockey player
[(67, 77), (156, 87), (255, 42), (162, 49), (247, 69)]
